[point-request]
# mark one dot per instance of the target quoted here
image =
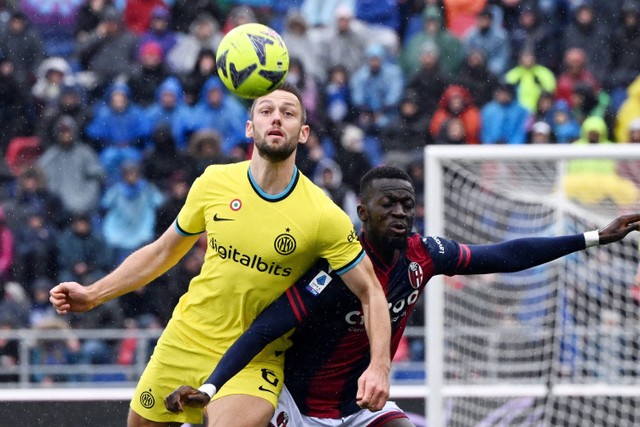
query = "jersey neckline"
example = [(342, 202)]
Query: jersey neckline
[(275, 197)]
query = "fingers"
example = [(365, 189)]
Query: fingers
[(371, 395), (172, 402), (58, 298), (185, 396)]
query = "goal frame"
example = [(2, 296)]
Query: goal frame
[(435, 389)]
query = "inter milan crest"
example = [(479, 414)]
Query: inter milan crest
[(285, 244), (416, 276)]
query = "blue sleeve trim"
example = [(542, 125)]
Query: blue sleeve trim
[(352, 263), (183, 232)]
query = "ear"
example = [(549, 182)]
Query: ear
[(362, 213), (304, 134), (248, 130)]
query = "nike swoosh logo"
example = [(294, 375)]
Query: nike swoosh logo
[(217, 218), (261, 388)]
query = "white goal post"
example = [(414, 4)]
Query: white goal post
[(554, 345)]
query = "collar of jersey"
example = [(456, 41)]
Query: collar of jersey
[(275, 197)]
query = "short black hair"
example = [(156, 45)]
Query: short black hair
[(382, 172), (291, 88)]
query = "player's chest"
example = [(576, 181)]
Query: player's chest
[(270, 228)]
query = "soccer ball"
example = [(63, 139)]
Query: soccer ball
[(252, 60)]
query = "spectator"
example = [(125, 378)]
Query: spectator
[(320, 13), (344, 44), (428, 82), (337, 99), (176, 189), (70, 103), (540, 134), (350, 156), (109, 51), (309, 88), (629, 111), (450, 48), (587, 102), (148, 74), (304, 43), (31, 194), (164, 159), (159, 31), (14, 117), (462, 15), (596, 180), (170, 110), (220, 111), (52, 76), (376, 88), (328, 176), (130, 211), (204, 33), (311, 153), (504, 120), (452, 132), (41, 309), (139, 13), (72, 169), (531, 79), (83, 256), (118, 120), (585, 32), (36, 250), (238, 15), (52, 352), (404, 140), (89, 17), (634, 132), (476, 77), (565, 128), (489, 37), (7, 248), (544, 107), (575, 71), (534, 34), (55, 25), (456, 101), (374, 12), (22, 46), (204, 150), (625, 53), (9, 350), (186, 12), (203, 69)]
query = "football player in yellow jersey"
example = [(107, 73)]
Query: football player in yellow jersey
[(266, 224)]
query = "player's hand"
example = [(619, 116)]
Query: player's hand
[(619, 228), (70, 296), (186, 396), (373, 388)]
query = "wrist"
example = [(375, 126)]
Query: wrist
[(208, 389), (591, 238)]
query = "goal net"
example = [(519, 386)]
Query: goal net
[(555, 345)]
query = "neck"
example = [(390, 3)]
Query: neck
[(271, 177)]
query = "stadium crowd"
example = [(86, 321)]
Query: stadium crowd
[(110, 109)]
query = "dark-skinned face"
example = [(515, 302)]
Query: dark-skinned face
[(387, 213)]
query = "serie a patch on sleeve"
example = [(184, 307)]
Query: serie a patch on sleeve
[(319, 283)]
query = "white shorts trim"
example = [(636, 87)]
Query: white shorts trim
[(288, 415)]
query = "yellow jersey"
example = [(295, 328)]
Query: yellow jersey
[(258, 245)]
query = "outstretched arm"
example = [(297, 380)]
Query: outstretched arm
[(520, 254), (137, 270)]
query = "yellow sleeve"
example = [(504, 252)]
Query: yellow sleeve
[(191, 220), (338, 240)]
